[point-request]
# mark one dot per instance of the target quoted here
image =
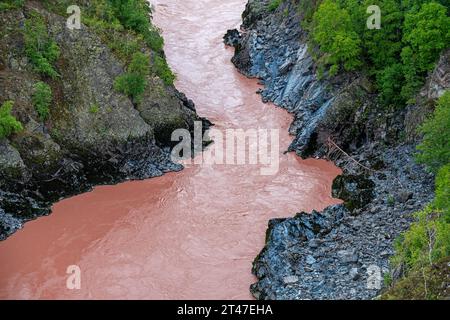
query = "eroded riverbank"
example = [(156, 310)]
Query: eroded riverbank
[(190, 235), (344, 251)]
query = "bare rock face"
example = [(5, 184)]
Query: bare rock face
[(439, 80), (94, 135), (437, 83)]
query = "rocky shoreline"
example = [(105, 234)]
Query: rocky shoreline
[(331, 255), (93, 136)]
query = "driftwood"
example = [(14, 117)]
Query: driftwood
[(335, 153)]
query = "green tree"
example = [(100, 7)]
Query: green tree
[(435, 147), (384, 45), (346, 50), (8, 123), (390, 82), (333, 32), (426, 33)]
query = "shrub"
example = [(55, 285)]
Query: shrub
[(133, 83), (274, 4), (11, 4), (140, 64), (123, 46), (154, 40), (163, 71), (435, 147), (40, 49), (94, 109), (427, 240), (8, 123), (442, 199), (134, 15), (42, 98)]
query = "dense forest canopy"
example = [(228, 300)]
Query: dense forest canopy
[(398, 55)]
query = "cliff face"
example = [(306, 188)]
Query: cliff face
[(93, 135), (330, 255)]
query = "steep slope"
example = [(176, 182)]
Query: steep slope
[(93, 134)]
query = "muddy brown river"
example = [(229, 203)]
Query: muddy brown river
[(186, 235)]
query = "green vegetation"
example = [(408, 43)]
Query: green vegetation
[(134, 15), (161, 68), (8, 123), (42, 98), (435, 148), (124, 26), (422, 249), (335, 35), (11, 4), (130, 15), (425, 34), (94, 109), (39, 47), (133, 82), (426, 244), (427, 283), (398, 56), (427, 240), (274, 4), (442, 198), (390, 200)]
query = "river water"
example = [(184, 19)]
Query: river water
[(187, 235)]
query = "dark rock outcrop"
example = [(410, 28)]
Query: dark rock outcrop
[(232, 38), (355, 190)]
